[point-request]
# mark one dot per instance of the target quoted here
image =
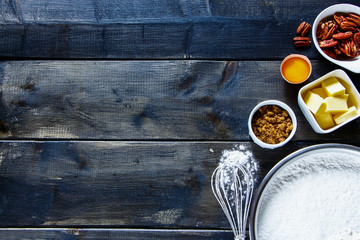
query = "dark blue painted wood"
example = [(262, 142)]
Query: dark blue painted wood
[(117, 184), (122, 189), (155, 29), (106, 234), (144, 100)]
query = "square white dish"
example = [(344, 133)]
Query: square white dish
[(344, 79)]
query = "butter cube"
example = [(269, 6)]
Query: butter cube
[(313, 101), (320, 91), (342, 117), (325, 121), (322, 109), (336, 105), (333, 87), (346, 96), (323, 118)]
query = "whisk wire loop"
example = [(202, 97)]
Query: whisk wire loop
[(233, 189)]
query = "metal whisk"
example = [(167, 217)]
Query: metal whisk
[(233, 187)]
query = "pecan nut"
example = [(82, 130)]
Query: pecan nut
[(330, 53), (357, 39), (328, 43), (303, 29), (349, 48), (302, 41), (342, 35), (331, 30), (354, 18), (339, 37), (348, 26)]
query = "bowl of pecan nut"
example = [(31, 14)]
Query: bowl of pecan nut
[(336, 35)]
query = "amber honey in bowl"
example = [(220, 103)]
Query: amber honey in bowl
[(295, 68)]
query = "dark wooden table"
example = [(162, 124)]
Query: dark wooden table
[(114, 114)]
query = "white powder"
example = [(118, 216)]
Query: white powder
[(239, 156), (316, 197)]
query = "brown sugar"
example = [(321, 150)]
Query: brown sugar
[(272, 124)]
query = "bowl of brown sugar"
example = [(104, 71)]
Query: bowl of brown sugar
[(272, 124)]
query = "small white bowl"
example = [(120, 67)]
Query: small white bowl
[(352, 64), (283, 106), (289, 58), (354, 99)]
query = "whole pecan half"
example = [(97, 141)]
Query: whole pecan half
[(328, 43), (303, 29), (354, 18), (302, 41), (343, 35)]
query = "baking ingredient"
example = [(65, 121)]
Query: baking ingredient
[(239, 155), (320, 91), (295, 69), (333, 87), (302, 41), (301, 31), (339, 35), (329, 101), (323, 118), (313, 101), (342, 117), (272, 124), (316, 197), (335, 104)]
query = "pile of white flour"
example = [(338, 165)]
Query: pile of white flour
[(239, 155), (314, 198)]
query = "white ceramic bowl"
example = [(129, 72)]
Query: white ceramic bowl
[(354, 99), (288, 58), (282, 105), (350, 64)]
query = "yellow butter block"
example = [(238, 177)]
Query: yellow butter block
[(346, 96), (325, 121), (333, 87), (313, 101), (335, 105), (342, 117), (320, 91), (322, 109)]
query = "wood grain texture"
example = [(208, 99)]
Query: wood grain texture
[(125, 149), (209, 100), (106, 234), (173, 29), (117, 184)]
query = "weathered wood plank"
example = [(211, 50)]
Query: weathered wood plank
[(208, 100), (87, 11), (117, 184), (225, 39), (104, 234), (154, 29)]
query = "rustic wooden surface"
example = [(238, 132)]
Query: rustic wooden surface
[(114, 114), (173, 29), (129, 100)]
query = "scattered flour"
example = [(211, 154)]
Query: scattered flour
[(316, 197), (239, 155)]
